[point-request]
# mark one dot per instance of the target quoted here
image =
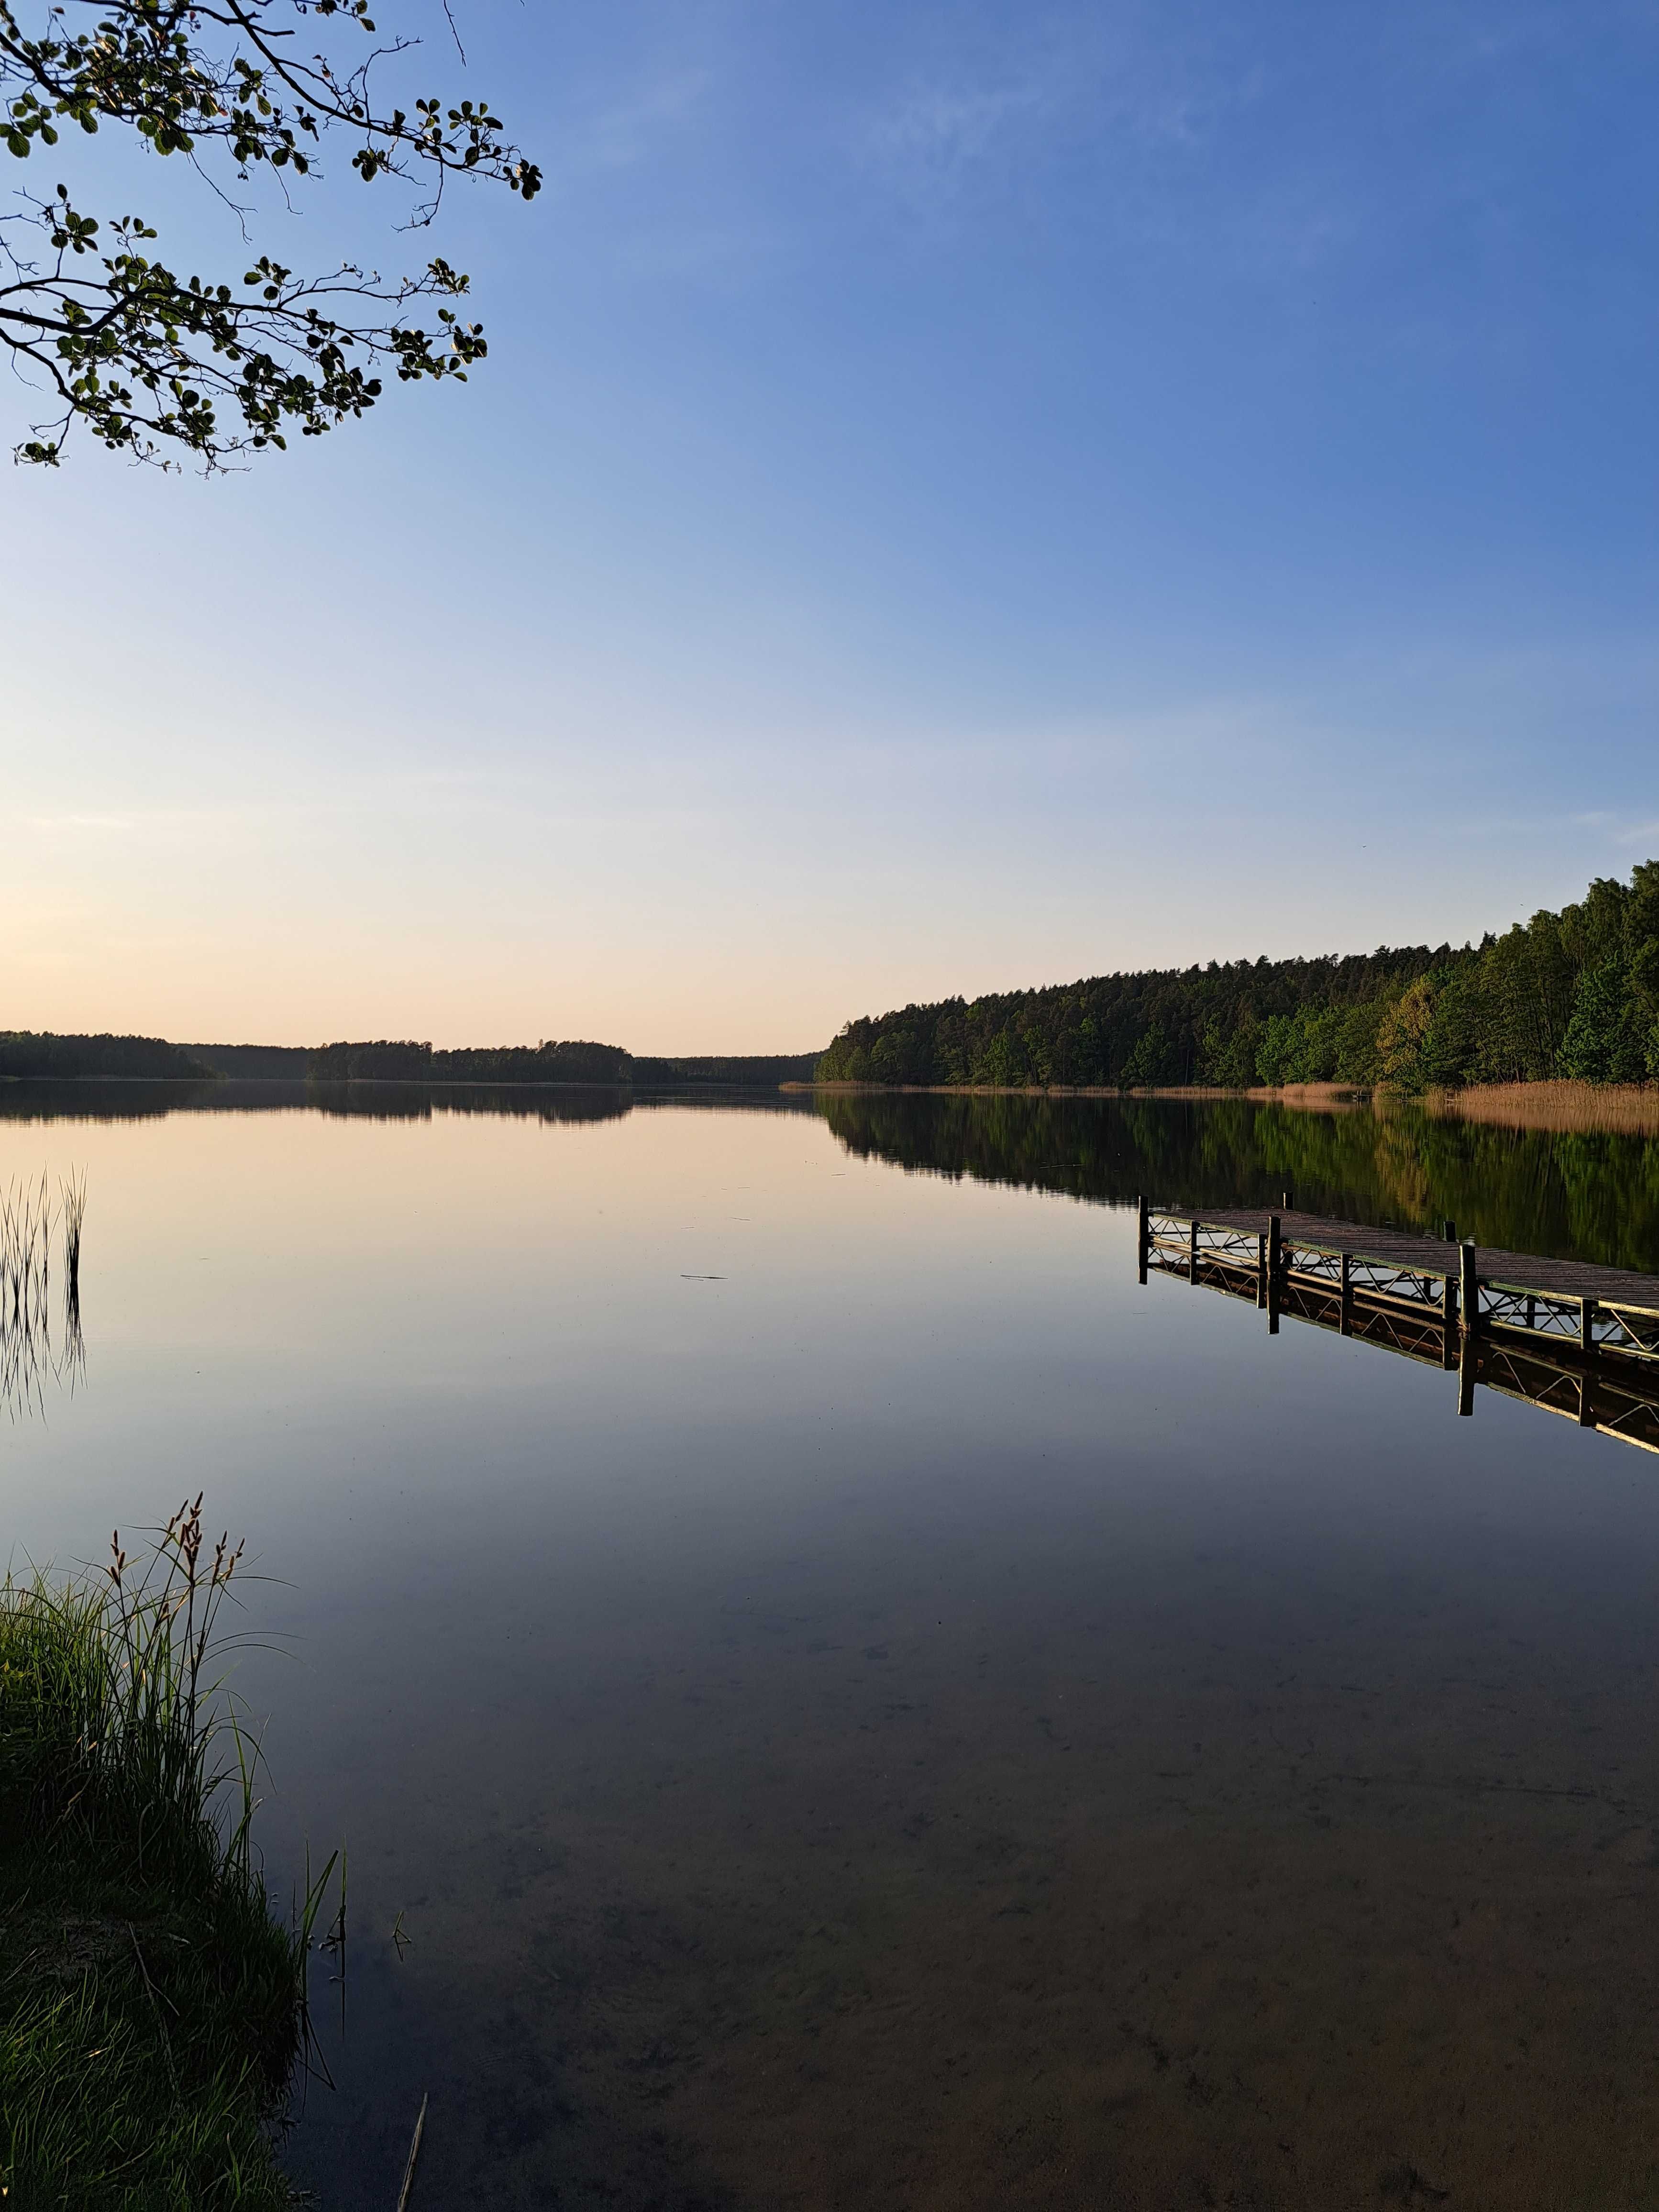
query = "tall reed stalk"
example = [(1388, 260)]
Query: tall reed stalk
[(29, 1213)]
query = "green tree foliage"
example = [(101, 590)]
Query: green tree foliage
[(153, 362), (1602, 1042), (1572, 993)]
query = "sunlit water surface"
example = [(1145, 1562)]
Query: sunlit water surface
[(850, 1699)]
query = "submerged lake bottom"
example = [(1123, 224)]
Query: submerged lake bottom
[(836, 1695)]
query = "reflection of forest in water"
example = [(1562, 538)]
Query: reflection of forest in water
[(1568, 1194), (1572, 1194), (93, 1101)]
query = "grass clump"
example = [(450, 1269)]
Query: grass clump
[(151, 2006)]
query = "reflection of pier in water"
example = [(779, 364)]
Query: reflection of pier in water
[(1576, 1340)]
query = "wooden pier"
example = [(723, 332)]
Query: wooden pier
[(1573, 1339)]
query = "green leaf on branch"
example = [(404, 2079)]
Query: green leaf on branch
[(114, 337)]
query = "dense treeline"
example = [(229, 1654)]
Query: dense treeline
[(32, 1053), (1573, 994), (756, 1071), (255, 1063), (387, 1062)]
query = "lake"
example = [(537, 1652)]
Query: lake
[(836, 1695)]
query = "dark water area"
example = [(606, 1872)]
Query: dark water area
[(836, 1695)]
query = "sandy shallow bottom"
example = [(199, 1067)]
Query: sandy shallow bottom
[(909, 1902)]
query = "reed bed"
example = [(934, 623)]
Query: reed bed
[(32, 1353), (152, 2004), (72, 1204), (1587, 1108)]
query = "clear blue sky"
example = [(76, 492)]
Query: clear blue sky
[(961, 496)]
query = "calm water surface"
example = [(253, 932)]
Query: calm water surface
[(855, 1702)]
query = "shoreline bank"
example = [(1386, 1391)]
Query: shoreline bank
[(1556, 1105), (154, 2006)]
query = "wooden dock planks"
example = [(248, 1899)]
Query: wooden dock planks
[(1432, 1255), (1563, 1334)]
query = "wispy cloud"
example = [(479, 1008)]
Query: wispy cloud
[(928, 135), (1097, 82)]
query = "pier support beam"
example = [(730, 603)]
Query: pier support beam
[(1275, 1270), (1587, 1310), (1143, 1238), (1345, 1324), (1469, 1308)]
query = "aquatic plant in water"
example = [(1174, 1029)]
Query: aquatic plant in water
[(29, 1215), (153, 2004)]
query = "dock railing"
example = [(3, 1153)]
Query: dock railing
[(1576, 1340)]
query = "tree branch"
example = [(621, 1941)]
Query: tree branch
[(154, 364)]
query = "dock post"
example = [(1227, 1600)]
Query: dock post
[(1587, 1310), (1469, 1305), (1448, 1301), (1275, 1263), (1191, 1251), (1143, 1239), (1469, 1287), (1262, 1270), (1345, 1324)]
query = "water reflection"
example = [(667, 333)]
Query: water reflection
[(34, 1218), (1568, 1195), (1599, 1372), (849, 1701), (93, 1101)]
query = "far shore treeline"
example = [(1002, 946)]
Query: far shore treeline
[(1571, 994), (35, 1054), (1574, 994)]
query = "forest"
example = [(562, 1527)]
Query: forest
[(573, 1062), (38, 1053), (1570, 994), (387, 1061)]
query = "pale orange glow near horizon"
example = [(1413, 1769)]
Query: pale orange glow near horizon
[(731, 858), (926, 525)]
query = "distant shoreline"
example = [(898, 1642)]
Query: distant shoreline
[(423, 1082), (1551, 1103), (1294, 1094)]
